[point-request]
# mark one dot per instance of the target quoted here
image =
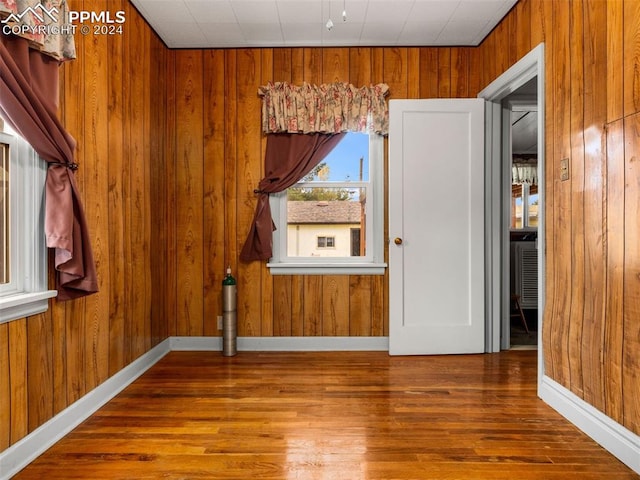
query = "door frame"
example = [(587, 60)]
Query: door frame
[(497, 143)]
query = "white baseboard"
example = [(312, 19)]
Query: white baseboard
[(19, 455), (284, 344), (613, 437)]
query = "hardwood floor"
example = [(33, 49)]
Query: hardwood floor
[(338, 415)]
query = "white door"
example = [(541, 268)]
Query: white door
[(436, 226)]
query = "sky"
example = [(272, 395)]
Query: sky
[(344, 159)]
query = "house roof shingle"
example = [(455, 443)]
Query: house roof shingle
[(334, 211)]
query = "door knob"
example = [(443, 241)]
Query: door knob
[(397, 241)]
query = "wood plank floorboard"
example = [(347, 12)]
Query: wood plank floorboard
[(330, 415)]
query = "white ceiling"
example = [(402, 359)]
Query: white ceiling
[(524, 119), (291, 23), (524, 132)]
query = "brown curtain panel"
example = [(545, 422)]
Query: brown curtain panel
[(28, 102), (288, 158)]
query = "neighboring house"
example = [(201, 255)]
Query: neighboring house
[(324, 228)]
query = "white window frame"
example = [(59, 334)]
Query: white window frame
[(370, 264), (27, 292)]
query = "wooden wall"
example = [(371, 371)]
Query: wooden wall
[(111, 102), (170, 152), (218, 145), (592, 313)]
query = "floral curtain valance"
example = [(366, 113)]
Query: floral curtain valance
[(326, 108), (43, 23), (524, 173)]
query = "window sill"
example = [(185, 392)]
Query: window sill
[(327, 268), (21, 305)]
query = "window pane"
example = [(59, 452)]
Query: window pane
[(326, 242), (348, 161), (516, 206), (4, 213), (533, 209), (332, 219), (320, 222)]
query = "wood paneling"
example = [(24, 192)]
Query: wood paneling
[(189, 193), (162, 290), (116, 178), (267, 281), (95, 169), (167, 189), (631, 290), (40, 371), (615, 60), (360, 312), (577, 193), (631, 67), (17, 376), (137, 138), (5, 390), (595, 117), (615, 260), (248, 174), (213, 188), (313, 299), (522, 26), (335, 305)]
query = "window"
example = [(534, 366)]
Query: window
[(4, 213), (332, 220), (326, 242), (23, 260), (524, 207)]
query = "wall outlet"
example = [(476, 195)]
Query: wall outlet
[(219, 322)]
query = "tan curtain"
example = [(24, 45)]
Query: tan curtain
[(42, 23), (524, 173), (326, 108)]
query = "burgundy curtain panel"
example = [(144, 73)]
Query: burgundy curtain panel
[(28, 102), (288, 158)]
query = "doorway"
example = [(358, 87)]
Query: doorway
[(498, 180), (521, 214)]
